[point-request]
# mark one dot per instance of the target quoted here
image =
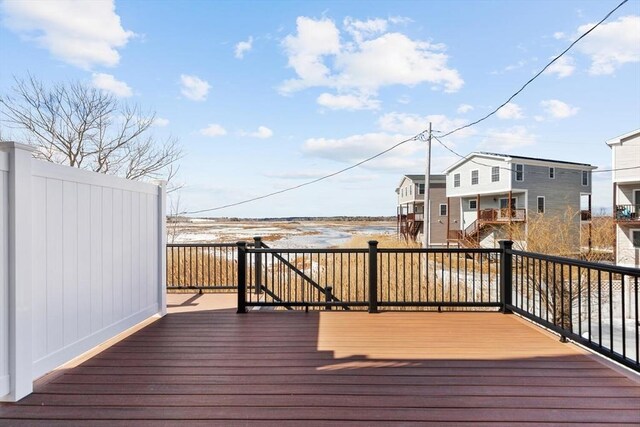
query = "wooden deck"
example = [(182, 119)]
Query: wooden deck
[(215, 367)]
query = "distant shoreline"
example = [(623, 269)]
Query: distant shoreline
[(295, 218)]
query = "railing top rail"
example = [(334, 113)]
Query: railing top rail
[(307, 251), (579, 263), (201, 245), (440, 250)]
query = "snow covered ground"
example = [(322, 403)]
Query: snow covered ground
[(279, 234)]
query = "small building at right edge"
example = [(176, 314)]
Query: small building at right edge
[(625, 151), (500, 193)]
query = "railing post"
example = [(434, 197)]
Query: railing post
[(373, 276), (258, 265), (242, 277), (327, 297), (506, 275)]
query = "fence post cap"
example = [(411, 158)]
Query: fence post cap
[(373, 243), (257, 238), (505, 243), (241, 243)]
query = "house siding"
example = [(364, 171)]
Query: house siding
[(437, 223), (484, 178), (627, 155), (561, 193), (626, 254)]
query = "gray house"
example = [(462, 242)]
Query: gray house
[(500, 190), (444, 212), (625, 151)]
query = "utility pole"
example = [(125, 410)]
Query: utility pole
[(427, 201)]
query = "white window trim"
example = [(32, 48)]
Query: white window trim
[(582, 175), (478, 172), (513, 206), (492, 175), (440, 209), (551, 168), (473, 201), (631, 231), (456, 175), (515, 171), (544, 204)]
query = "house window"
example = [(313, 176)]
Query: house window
[(635, 238), (473, 204), (443, 209), (411, 190), (519, 172), (421, 188), (552, 173), (456, 180), (540, 204), (474, 177), (585, 178), (495, 173)]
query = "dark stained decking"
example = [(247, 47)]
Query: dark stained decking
[(333, 368)]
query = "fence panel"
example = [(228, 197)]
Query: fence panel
[(85, 254), (438, 278), (4, 274), (593, 304), (307, 278), (211, 267)]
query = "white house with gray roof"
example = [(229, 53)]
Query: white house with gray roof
[(625, 151), (496, 190)]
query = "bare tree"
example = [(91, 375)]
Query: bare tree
[(84, 127)]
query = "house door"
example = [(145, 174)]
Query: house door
[(504, 203), (636, 203), (504, 208)]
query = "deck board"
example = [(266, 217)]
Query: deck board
[(215, 367)]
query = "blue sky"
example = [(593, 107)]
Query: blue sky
[(267, 95)]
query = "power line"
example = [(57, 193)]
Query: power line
[(295, 187), (418, 136), (451, 150), (536, 75)]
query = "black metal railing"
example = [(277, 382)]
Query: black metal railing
[(202, 266), (593, 304), (369, 278)]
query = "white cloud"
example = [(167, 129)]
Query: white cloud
[(507, 139), (464, 108), (160, 122), (563, 67), (348, 102), (243, 47), (108, 83), (559, 35), (412, 124), (612, 44), (194, 87), (395, 127), (364, 60), (263, 132), (81, 33), (357, 147), (213, 130), (510, 111), (558, 109), (361, 30)]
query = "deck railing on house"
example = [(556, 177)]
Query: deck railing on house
[(627, 213), (593, 304)]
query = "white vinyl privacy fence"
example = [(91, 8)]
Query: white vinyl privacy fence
[(82, 258)]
